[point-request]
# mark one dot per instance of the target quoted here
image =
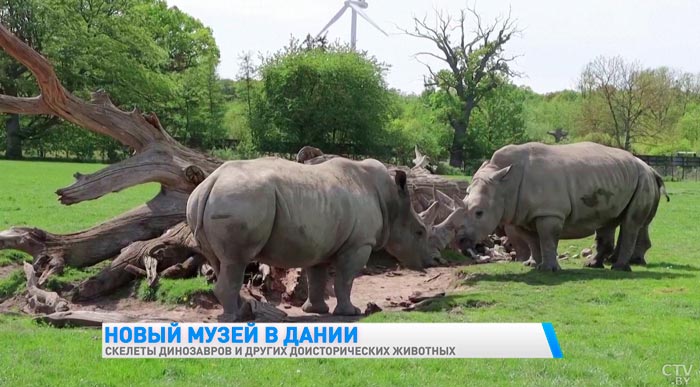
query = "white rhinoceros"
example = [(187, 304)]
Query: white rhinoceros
[(290, 215), (552, 192)]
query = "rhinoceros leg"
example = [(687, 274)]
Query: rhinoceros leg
[(535, 253), (316, 276), (625, 245), (549, 229), (519, 242), (634, 232), (605, 245), (532, 240), (227, 288), (641, 248), (348, 265)]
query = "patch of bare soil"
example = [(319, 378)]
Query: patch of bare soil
[(390, 290)]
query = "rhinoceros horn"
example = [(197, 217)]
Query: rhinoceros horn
[(429, 215)]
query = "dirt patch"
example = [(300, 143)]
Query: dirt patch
[(391, 290)]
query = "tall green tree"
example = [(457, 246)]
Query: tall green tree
[(552, 111), (414, 121), (330, 97), (497, 122), (142, 52), (22, 18)]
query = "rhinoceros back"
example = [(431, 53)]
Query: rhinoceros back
[(289, 214), (585, 184)]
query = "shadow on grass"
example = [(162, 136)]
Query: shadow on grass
[(457, 303), (674, 266), (323, 318), (535, 277)]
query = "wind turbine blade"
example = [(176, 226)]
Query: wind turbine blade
[(364, 16), (333, 20)]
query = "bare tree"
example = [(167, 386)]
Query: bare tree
[(475, 59), (628, 103)]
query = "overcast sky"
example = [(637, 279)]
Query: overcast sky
[(558, 38)]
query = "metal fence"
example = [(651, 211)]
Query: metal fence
[(679, 167)]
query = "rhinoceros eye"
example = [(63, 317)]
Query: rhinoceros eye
[(419, 233), (479, 214)]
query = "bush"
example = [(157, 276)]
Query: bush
[(244, 151), (332, 97), (444, 168)]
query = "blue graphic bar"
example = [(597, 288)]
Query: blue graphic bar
[(552, 340)]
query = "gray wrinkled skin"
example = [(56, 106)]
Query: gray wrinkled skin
[(290, 215), (545, 193)]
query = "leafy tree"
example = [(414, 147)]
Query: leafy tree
[(476, 64), (545, 113), (330, 97), (415, 122), (22, 18), (143, 53), (499, 121), (689, 126)]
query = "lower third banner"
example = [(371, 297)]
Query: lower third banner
[(332, 340)]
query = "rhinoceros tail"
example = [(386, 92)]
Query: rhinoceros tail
[(660, 184), (195, 212)]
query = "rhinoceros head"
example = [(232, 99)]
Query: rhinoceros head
[(450, 213), (484, 205), (408, 236)]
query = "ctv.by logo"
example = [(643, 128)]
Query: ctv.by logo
[(679, 374)]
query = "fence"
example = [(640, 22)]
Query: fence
[(679, 167)]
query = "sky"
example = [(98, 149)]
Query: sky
[(558, 37)]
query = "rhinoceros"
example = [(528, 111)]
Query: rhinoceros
[(605, 237), (290, 215), (552, 192)]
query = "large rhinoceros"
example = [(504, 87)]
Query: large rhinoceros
[(291, 215), (552, 192)]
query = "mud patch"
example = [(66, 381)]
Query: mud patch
[(392, 290), (591, 200)]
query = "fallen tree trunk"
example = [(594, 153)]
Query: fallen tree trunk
[(39, 300), (173, 254), (91, 319), (156, 157), (52, 252)]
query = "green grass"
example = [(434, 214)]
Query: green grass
[(174, 291), (12, 284), (614, 328), (8, 258), (27, 198), (456, 177)]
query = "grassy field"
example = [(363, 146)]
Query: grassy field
[(614, 328)]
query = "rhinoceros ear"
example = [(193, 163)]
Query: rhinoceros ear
[(501, 174), (400, 179)]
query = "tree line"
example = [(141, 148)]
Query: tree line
[(143, 53), (312, 92)]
